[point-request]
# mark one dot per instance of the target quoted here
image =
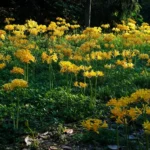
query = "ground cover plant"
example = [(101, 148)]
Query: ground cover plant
[(96, 79)]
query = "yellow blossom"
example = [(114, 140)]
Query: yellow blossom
[(89, 74), (134, 113), (146, 126), (109, 66), (141, 95), (2, 36), (9, 27), (116, 29), (31, 24), (8, 20), (148, 62), (19, 83), (76, 84), (7, 87), (143, 56), (94, 124), (24, 55), (82, 85), (33, 31), (2, 65), (17, 70), (16, 83), (99, 73), (105, 26), (104, 125)]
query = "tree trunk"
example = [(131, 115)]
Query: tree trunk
[(88, 13)]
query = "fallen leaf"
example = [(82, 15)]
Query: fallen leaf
[(113, 147), (68, 131), (28, 140), (45, 133), (66, 147), (132, 137), (53, 148)]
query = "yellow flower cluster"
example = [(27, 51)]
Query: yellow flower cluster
[(31, 24), (85, 68), (146, 126), (123, 27), (9, 27), (88, 45), (92, 73), (143, 56), (76, 57), (75, 26), (134, 113), (94, 124), (109, 37), (99, 55), (131, 21), (121, 114), (123, 107), (67, 66), (2, 34), (33, 27), (57, 29), (141, 95), (16, 83), (49, 58), (75, 37), (109, 66), (24, 55), (148, 62), (20, 28), (92, 32), (5, 58), (132, 26), (17, 70), (105, 26), (125, 64), (8, 20), (2, 65), (112, 46), (115, 29), (128, 53), (80, 84)]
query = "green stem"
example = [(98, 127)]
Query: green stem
[(117, 137), (14, 121), (50, 77), (67, 80), (91, 92), (127, 139), (27, 72), (17, 117), (147, 142), (84, 82), (138, 141), (95, 87), (70, 81)]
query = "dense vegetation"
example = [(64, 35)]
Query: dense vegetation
[(102, 11), (74, 74), (96, 78)]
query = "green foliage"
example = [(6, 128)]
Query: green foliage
[(145, 10), (112, 11), (104, 137), (64, 105)]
